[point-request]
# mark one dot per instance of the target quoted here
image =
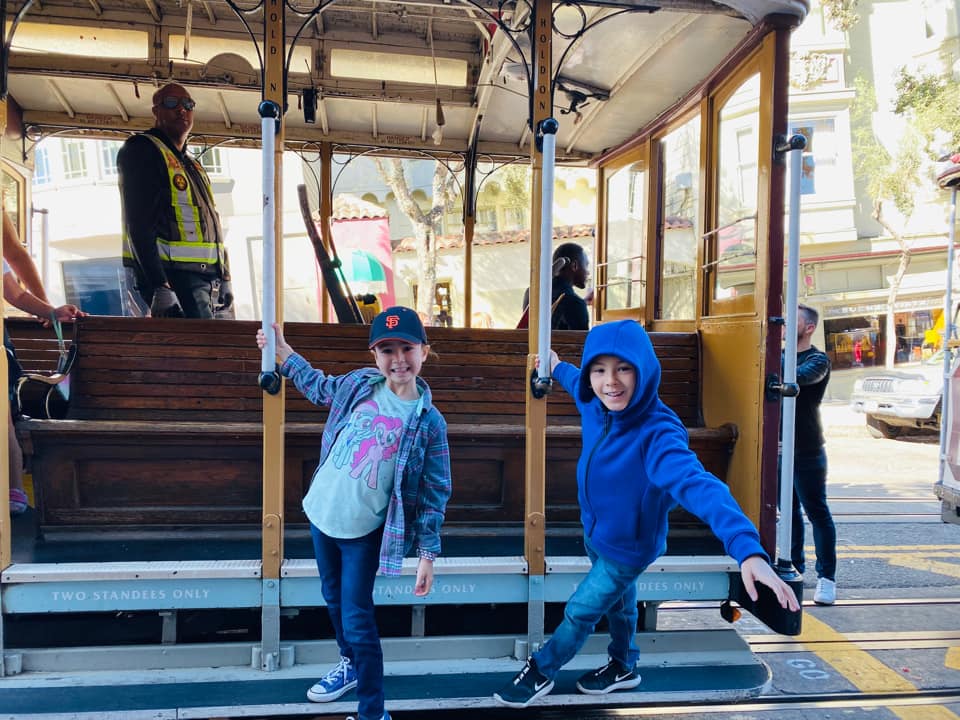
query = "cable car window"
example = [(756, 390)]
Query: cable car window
[(679, 217), (733, 242), (626, 209), (12, 195)]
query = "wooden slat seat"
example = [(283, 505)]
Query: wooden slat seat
[(165, 421), (36, 346)]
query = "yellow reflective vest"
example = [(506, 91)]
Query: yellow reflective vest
[(185, 246)]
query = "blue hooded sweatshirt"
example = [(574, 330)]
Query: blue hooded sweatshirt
[(636, 463)]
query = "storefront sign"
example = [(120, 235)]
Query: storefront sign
[(880, 308)]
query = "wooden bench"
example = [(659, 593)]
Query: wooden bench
[(164, 425), (36, 345)]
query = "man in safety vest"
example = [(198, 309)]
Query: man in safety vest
[(172, 239)]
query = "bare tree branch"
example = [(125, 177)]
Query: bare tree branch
[(427, 225)]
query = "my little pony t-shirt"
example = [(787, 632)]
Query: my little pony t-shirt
[(349, 494)]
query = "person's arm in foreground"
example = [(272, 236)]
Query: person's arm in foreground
[(28, 302), (20, 261)]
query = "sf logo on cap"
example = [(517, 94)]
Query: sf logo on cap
[(392, 321)]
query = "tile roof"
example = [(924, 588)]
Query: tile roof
[(503, 237), (350, 207)]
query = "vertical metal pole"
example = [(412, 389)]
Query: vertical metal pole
[(536, 408), (274, 86), (469, 223), (45, 244), (469, 226), (326, 216), (269, 115), (548, 134), (785, 526), (948, 331)]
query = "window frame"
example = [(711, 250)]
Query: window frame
[(637, 156), (84, 173), (655, 295), (759, 63)]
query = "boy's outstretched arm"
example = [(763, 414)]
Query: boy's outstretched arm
[(756, 569)]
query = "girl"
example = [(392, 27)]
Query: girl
[(382, 486)]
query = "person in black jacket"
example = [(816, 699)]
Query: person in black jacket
[(172, 238), (571, 269), (810, 461)]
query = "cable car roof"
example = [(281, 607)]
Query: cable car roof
[(378, 69)]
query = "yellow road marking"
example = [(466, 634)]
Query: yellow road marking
[(864, 671), (923, 712), (894, 548), (915, 563), (952, 660)]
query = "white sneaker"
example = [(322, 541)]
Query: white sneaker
[(826, 593)]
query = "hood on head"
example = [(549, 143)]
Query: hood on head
[(627, 340)]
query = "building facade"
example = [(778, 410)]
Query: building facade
[(849, 259)]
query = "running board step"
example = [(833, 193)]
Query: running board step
[(711, 666)]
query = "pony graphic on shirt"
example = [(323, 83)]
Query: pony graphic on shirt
[(381, 445), (358, 429)]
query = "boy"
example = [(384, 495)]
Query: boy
[(634, 467)]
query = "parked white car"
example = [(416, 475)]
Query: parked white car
[(896, 401)]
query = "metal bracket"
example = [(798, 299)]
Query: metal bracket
[(267, 109), (547, 126), (270, 382), (783, 144), (540, 387), (776, 390)]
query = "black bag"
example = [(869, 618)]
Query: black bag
[(47, 397)]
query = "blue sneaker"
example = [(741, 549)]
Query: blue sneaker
[(612, 676), (341, 679), (528, 685)]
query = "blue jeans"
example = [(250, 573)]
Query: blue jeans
[(608, 589), (810, 492), (347, 572)]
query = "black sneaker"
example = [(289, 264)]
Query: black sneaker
[(612, 676), (527, 686)]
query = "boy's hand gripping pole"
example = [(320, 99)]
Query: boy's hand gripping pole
[(269, 126), (541, 383)]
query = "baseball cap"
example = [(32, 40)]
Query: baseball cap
[(397, 323)]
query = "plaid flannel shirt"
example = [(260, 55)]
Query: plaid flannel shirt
[(421, 485)]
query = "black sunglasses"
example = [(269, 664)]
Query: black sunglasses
[(170, 102)]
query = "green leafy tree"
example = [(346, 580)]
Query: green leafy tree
[(893, 177), (841, 14), (932, 103)]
